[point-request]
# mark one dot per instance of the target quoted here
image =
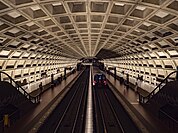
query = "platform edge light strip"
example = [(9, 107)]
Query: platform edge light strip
[(89, 117)]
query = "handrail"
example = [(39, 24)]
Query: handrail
[(142, 98), (33, 99)]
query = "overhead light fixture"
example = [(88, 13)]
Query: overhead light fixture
[(37, 39), (14, 14), (57, 4), (30, 24), (146, 24), (15, 43), (119, 4), (17, 53), (35, 8), (78, 3), (4, 52), (137, 30), (40, 30), (14, 30), (142, 8), (160, 53), (161, 14), (46, 19), (130, 19)]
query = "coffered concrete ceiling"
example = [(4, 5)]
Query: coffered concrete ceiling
[(82, 28)]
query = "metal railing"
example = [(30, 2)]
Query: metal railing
[(145, 99), (33, 99)]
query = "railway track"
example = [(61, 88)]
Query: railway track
[(110, 116), (69, 115)]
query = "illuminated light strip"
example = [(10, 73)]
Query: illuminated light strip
[(89, 114)]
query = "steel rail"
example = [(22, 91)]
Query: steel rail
[(111, 106), (100, 96), (96, 116), (75, 95), (102, 114), (83, 98), (60, 121)]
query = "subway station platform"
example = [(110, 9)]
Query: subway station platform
[(28, 121), (130, 99), (127, 96)]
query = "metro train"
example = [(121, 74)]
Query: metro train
[(99, 80)]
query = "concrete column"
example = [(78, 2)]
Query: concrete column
[(114, 72), (177, 73), (65, 73)]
